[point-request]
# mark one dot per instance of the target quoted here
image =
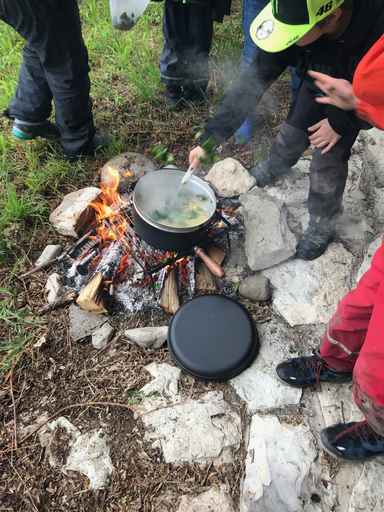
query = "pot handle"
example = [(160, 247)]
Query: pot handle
[(211, 264)]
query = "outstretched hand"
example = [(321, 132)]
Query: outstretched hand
[(323, 135), (339, 92), (195, 155)]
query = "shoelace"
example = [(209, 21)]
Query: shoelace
[(312, 230), (308, 365), (364, 425)]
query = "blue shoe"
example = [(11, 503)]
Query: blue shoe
[(353, 442), (47, 130), (309, 371), (245, 132)]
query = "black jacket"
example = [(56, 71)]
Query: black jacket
[(220, 8), (337, 58)]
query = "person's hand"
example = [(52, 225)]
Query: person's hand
[(339, 92), (195, 155), (323, 135)]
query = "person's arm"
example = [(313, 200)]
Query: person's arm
[(238, 102)]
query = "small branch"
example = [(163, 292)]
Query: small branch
[(26, 488), (185, 132), (13, 402), (39, 267), (62, 301), (22, 157)]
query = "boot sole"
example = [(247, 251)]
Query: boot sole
[(26, 136), (303, 255)]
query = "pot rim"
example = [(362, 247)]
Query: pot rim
[(170, 229)]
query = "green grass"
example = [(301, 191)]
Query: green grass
[(128, 98)]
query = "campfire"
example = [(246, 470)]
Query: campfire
[(114, 270)]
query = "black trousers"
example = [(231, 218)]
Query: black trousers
[(55, 66), (188, 30), (328, 173)]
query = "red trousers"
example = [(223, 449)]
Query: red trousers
[(354, 341)]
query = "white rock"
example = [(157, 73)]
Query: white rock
[(257, 385), (366, 265), (278, 467), (82, 323), (209, 501), (307, 292), (90, 455), (53, 288), (73, 216), (131, 167), (337, 404), (229, 178), (373, 156), (196, 431), (50, 253), (102, 336), (368, 494), (166, 381), (148, 337), (268, 240), (88, 452)]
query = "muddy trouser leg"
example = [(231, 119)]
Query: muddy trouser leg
[(175, 30), (354, 341), (199, 45), (53, 30), (327, 175)]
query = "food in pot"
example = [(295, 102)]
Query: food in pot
[(183, 211)]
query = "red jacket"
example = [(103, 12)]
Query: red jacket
[(368, 85)]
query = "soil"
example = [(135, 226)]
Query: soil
[(62, 373)]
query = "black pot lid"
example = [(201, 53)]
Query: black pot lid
[(212, 338)]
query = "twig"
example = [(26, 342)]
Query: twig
[(22, 157), (264, 320), (62, 301), (328, 481), (15, 470), (13, 402), (176, 132), (169, 405), (206, 474), (39, 267)]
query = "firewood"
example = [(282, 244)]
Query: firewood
[(62, 301), (91, 298), (216, 254), (205, 281), (169, 299)]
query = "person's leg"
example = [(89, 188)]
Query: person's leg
[(361, 440), (327, 175), (53, 29), (172, 63), (197, 51)]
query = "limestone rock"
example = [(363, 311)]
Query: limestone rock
[(53, 288), (50, 253), (102, 336), (368, 494), (256, 288), (268, 240), (197, 430), (82, 323), (366, 265), (257, 385), (337, 404), (148, 337), (74, 216), (209, 501), (88, 453), (229, 178), (131, 167), (278, 467), (307, 292)]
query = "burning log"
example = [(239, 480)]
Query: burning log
[(169, 299), (94, 295)]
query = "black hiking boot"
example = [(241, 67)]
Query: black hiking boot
[(99, 140), (172, 95), (309, 371), (353, 442), (195, 95), (265, 174), (318, 235), (47, 130)]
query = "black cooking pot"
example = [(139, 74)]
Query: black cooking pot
[(151, 192)]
